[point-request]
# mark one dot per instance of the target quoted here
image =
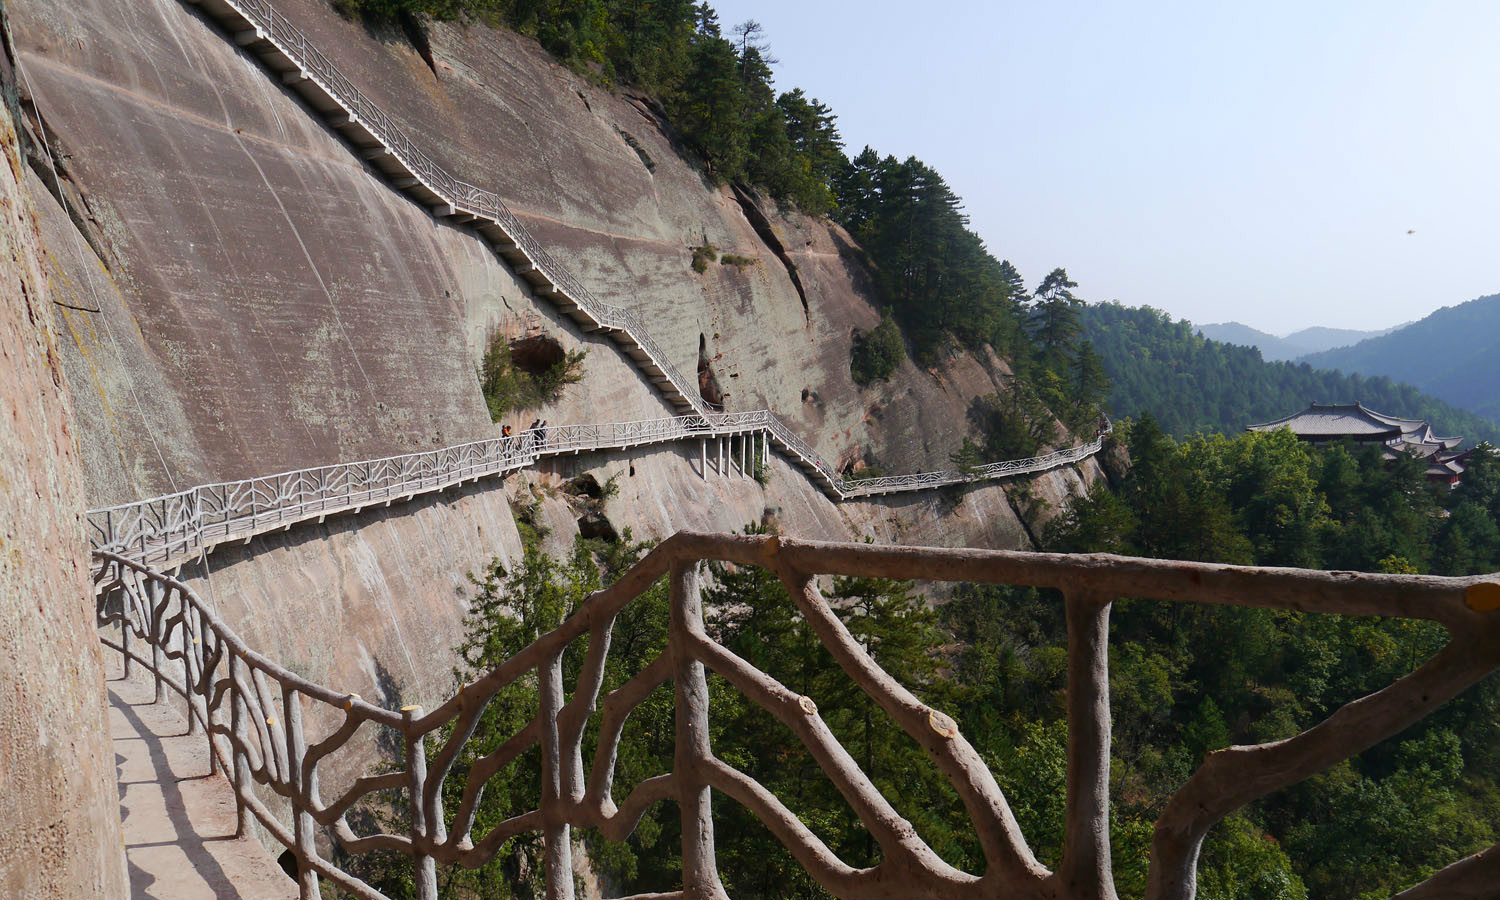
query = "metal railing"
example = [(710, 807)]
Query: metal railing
[(171, 528), (252, 710)]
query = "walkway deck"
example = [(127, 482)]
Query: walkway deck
[(178, 819)]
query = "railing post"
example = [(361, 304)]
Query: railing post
[(208, 681), (1086, 870), (125, 630), (703, 458), (191, 665), (700, 871), (237, 727), (424, 874), (302, 820), (153, 589), (556, 836)]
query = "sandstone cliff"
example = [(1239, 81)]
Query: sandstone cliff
[(59, 810)]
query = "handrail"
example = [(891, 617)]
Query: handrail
[(233, 693), (173, 527)]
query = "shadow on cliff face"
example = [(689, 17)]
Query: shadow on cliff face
[(762, 226), (708, 380), (389, 26), (536, 355)]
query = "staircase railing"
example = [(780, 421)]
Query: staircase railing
[(254, 714)]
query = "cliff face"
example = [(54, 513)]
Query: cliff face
[(59, 809), (241, 294)]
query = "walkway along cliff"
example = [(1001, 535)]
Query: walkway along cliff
[(285, 737)]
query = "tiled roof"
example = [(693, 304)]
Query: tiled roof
[(1338, 420)]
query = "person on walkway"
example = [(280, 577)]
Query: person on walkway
[(505, 431)]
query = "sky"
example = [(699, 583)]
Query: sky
[(1279, 164)]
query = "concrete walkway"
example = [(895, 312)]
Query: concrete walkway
[(179, 820)]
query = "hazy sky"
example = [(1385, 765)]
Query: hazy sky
[(1257, 162)]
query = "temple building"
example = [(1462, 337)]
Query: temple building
[(1323, 423)]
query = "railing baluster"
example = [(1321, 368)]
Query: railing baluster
[(425, 874), (1086, 871), (302, 821), (556, 835), (239, 728), (700, 872), (153, 592)]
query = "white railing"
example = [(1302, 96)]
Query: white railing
[(177, 526)]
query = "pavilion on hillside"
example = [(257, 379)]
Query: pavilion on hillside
[(1326, 422)]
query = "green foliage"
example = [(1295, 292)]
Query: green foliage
[(943, 287), (508, 388), (702, 256), (1014, 423), (967, 458), (1368, 827), (736, 260), (1191, 384), (1241, 861), (878, 353)]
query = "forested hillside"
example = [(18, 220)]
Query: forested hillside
[(1192, 384), (1450, 354)]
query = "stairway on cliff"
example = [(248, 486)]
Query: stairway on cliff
[(177, 818)]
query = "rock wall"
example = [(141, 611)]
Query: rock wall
[(59, 810)]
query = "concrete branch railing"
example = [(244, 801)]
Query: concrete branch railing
[(252, 710), (163, 531)]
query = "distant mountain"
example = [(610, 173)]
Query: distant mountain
[(1191, 384), (1317, 338), (1298, 343), (1453, 354), (1271, 346)]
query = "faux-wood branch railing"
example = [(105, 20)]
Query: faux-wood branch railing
[(233, 695), (166, 530)]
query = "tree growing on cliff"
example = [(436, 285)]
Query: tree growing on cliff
[(507, 387), (878, 353)]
